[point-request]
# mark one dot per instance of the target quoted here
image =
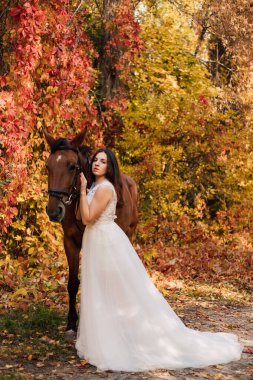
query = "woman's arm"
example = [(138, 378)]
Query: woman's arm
[(102, 196)]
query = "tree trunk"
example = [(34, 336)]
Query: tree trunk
[(109, 81)]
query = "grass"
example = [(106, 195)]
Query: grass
[(11, 376), (39, 318), (37, 334)]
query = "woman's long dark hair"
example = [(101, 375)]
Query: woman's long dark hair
[(113, 173)]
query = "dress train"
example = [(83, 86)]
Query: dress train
[(125, 322)]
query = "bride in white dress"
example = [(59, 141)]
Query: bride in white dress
[(125, 322)]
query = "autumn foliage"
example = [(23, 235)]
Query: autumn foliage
[(46, 84), (168, 86)]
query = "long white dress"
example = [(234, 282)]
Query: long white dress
[(125, 322)]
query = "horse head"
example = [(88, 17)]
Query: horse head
[(67, 159)]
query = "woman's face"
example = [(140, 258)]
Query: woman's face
[(99, 165)]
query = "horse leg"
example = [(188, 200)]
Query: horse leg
[(72, 252)]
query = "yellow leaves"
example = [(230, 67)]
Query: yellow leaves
[(44, 76), (19, 225), (39, 124), (206, 375), (150, 254), (2, 263), (21, 197), (20, 292), (218, 376), (51, 90), (68, 102), (20, 272), (31, 250)]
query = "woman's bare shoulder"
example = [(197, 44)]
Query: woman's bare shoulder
[(103, 192)]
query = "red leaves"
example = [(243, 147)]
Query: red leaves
[(15, 12), (49, 82), (248, 351), (124, 42), (203, 100), (193, 250), (50, 78)]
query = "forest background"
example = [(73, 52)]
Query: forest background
[(168, 86)]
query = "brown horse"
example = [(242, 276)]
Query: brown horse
[(67, 159)]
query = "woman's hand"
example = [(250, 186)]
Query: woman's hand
[(83, 182)]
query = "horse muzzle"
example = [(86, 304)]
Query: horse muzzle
[(57, 214)]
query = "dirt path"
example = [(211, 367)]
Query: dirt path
[(202, 315)]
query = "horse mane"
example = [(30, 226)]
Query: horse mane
[(84, 149), (64, 144), (60, 144)]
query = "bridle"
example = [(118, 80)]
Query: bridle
[(73, 192)]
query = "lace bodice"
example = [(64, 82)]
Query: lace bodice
[(109, 214)]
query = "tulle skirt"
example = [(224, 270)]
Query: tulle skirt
[(125, 322)]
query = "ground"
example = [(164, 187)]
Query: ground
[(34, 345)]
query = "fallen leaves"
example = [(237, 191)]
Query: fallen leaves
[(82, 364), (248, 350), (40, 364), (49, 340)]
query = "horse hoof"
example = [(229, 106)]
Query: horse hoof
[(70, 334)]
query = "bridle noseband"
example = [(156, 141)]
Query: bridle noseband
[(73, 193)]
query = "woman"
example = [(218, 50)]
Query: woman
[(125, 323)]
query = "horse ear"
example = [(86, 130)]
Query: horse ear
[(49, 138), (77, 141)]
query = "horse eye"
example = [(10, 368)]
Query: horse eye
[(72, 167)]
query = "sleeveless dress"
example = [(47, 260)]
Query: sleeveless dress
[(125, 323)]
